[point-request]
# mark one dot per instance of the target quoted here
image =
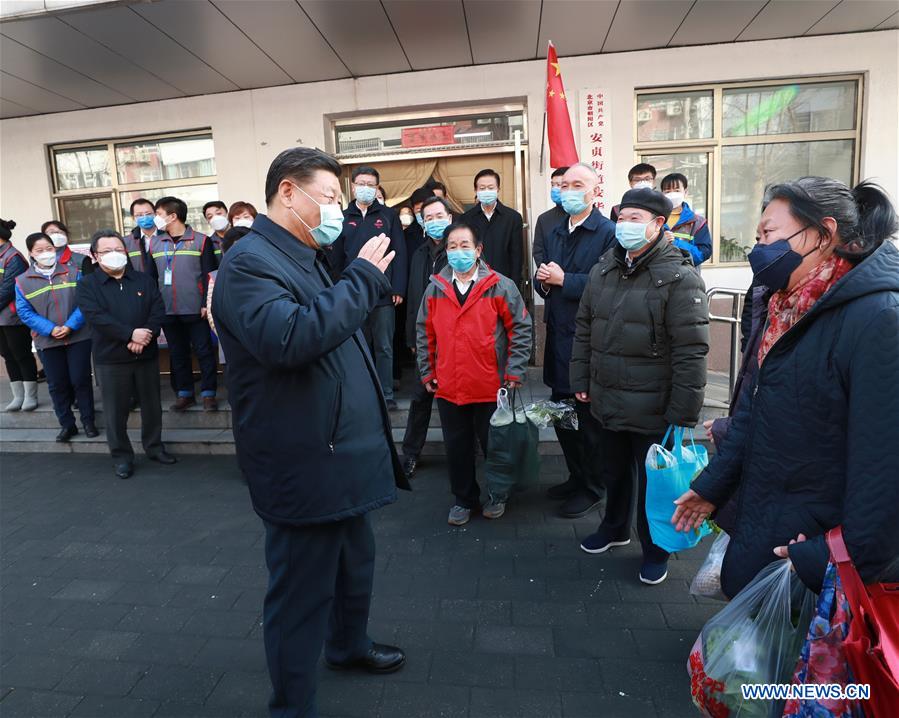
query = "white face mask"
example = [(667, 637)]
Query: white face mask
[(58, 239), (406, 219), (218, 222), (677, 198), (160, 223), (642, 184), (114, 261), (244, 222), (45, 259)]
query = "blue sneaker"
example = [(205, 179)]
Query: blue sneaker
[(601, 541), (653, 573)]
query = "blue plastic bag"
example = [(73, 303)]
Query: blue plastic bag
[(668, 476)]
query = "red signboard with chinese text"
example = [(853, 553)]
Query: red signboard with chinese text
[(434, 136)]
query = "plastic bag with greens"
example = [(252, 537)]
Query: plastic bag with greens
[(545, 414), (756, 638)]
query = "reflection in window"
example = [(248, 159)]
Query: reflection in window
[(195, 196), (82, 168), (432, 132), (694, 166), (85, 215), (748, 169), (674, 116), (787, 109), (156, 160)]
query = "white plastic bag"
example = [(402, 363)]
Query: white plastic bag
[(503, 414), (707, 581)]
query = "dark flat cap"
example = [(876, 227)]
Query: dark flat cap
[(648, 199)]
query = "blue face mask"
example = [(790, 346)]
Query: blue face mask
[(461, 260), (419, 219), (331, 224), (555, 194), (773, 264), (573, 201), (434, 228), (487, 197), (632, 235), (365, 194), (146, 221)]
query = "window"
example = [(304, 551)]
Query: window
[(466, 128), (732, 140), (95, 182)]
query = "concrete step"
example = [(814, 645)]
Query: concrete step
[(197, 432), (194, 418), (194, 441)]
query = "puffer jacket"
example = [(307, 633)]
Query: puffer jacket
[(641, 340), (815, 446), (473, 348)]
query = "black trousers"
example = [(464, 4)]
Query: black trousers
[(68, 370), (621, 456), (419, 419), (578, 447), (118, 384), (463, 425), (319, 592), (400, 350), (182, 332), (15, 348)]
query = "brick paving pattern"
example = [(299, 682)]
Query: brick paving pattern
[(144, 598)]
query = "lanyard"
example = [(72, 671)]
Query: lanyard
[(169, 258)]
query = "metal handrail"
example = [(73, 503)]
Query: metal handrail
[(737, 297)]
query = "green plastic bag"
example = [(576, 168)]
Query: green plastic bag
[(513, 463)]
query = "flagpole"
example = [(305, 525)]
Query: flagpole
[(543, 142), (543, 134)]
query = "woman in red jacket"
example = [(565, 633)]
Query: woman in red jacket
[(474, 336)]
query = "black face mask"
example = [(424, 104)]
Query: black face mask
[(774, 263)]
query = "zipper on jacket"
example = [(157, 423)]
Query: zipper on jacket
[(336, 422), (652, 333)]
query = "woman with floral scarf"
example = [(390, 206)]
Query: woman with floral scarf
[(816, 445)]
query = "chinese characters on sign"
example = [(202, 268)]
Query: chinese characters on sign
[(434, 136), (593, 124)]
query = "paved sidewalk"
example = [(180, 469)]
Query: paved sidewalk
[(143, 598)]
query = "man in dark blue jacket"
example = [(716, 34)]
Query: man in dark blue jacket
[(363, 219), (312, 430), (569, 253)]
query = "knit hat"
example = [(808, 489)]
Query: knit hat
[(6, 228), (648, 199)]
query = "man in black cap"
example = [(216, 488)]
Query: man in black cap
[(639, 360)]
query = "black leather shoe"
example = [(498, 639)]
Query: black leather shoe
[(379, 659), (90, 430), (124, 470), (66, 433), (579, 505), (563, 491), (409, 464), (163, 458)]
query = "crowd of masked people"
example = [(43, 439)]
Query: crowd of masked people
[(814, 416), (108, 309)]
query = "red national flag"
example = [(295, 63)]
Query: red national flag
[(562, 150)]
